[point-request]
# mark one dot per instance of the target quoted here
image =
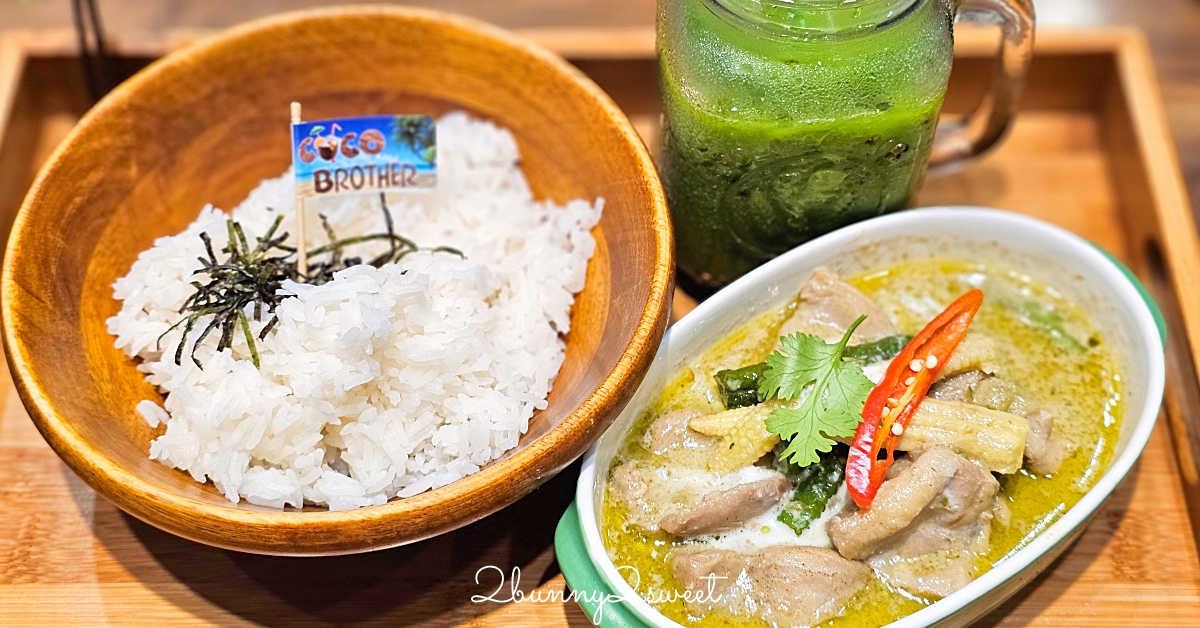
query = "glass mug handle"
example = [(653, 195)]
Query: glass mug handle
[(976, 132)]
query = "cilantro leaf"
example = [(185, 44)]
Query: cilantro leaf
[(800, 361), (832, 408)]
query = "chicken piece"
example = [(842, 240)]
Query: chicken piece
[(959, 517), (936, 555), (782, 585), (1044, 452), (740, 436), (628, 482), (925, 526), (709, 575), (649, 493), (995, 393), (668, 436), (801, 586), (630, 486), (994, 439), (978, 388), (931, 577), (861, 533), (958, 387), (721, 511), (693, 501), (828, 306), (668, 431)]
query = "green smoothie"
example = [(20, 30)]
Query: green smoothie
[(785, 121)]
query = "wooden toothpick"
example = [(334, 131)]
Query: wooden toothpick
[(302, 241)]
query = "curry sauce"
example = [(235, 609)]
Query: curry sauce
[(1061, 363)]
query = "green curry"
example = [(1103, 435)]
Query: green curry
[(1044, 345)]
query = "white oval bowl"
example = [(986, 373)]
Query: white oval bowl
[(1051, 254)]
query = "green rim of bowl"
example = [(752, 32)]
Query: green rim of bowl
[(608, 610), (1159, 321), (605, 608)]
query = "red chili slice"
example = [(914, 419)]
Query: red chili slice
[(894, 401)]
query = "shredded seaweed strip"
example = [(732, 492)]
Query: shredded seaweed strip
[(253, 276)]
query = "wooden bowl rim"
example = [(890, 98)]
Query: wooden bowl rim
[(147, 499)]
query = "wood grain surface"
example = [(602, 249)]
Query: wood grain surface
[(1077, 157)]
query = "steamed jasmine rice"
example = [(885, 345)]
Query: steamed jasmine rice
[(385, 381)]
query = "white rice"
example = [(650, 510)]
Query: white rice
[(383, 382)]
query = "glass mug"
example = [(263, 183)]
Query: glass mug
[(786, 119)]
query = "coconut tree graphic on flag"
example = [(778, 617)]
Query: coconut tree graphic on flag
[(419, 134)]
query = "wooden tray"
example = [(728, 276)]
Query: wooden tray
[(1090, 152)]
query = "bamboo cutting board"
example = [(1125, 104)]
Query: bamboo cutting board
[(1089, 152)]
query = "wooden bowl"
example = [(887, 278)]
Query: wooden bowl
[(206, 124)]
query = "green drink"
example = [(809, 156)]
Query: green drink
[(786, 120)]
